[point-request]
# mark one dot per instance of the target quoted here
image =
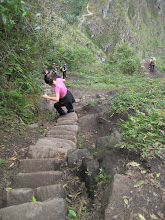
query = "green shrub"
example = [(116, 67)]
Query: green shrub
[(1, 162), (145, 94), (162, 68), (124, 58), (128, 66), (144, 133), (12, 13)]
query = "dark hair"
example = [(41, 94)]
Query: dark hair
[(48, 80)]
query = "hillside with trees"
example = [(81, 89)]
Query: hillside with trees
[(107, 46)]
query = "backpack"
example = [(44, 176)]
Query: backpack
[(152, 62), (61, 68)]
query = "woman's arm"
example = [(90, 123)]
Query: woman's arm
[(56, 98)]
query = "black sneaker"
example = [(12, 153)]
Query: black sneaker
[(62, 114), (72, 110)]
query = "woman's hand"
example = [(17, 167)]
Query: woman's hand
[(56, 98), (45, 96)]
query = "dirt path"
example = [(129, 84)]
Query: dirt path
[(156, 74), (83, 17)]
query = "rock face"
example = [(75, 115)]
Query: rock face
[(125, 21), (121, 188), (109, 157)]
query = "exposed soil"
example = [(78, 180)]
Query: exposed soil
[(94, 122)]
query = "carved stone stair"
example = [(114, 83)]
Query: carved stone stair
[(40, 176)]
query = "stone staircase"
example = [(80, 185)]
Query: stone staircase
[(40, 177)]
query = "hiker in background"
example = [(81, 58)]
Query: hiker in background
[(63, 96), (64, 71), (54, 68), (152, 63)]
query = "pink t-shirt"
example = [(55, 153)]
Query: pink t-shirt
[(60, 87)]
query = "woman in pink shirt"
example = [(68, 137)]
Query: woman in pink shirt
[(63, 96)]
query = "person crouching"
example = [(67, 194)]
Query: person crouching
[(63, 96)]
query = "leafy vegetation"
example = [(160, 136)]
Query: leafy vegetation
[(1, 162), (19, 88), (72, 214), (143, 132), (101, 178), (125, 59), (12, 13), (71, 10)]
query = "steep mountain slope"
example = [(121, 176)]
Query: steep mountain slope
[(141, 23)]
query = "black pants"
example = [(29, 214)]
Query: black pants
[(64, 75), (151, 67), (67, 101)]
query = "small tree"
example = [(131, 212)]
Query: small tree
[(12, 13), (125, 58)]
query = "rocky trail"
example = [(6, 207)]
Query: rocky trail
[(76, 166), (39, 177), (85, 15)]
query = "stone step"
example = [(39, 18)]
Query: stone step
[(55, 142), (70, 116), (34, 180), (73, 128), (19, 196), (57, 132), (54, 209), (67, 122), (51, 148), (37, 152), (43, 193), (36, 165), (46, 192), (64, 137)]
